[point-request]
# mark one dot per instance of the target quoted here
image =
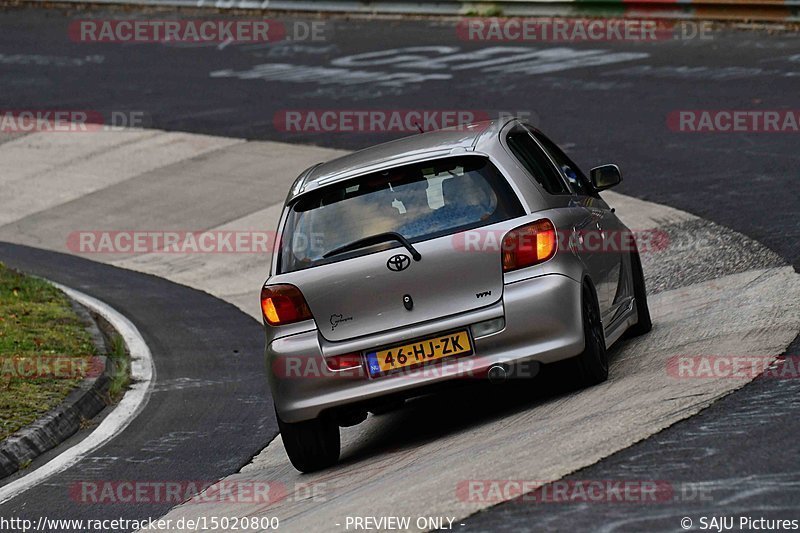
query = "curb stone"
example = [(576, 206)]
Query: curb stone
[(83, 403)]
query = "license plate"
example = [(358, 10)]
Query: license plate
[(419, 352)]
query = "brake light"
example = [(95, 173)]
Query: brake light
[(343, 362), (529, 245), (283, 304)]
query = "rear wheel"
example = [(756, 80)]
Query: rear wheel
[(592, 364), (311, 444), (643, 322)]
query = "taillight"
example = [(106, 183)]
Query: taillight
[(343, 362), (529, 245), (283, 304)]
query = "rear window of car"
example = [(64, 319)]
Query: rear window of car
[(420, 201)]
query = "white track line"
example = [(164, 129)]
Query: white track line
[(142, 379)]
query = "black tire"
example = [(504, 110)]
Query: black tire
[(312, 444), (592, 364), (643, 322)]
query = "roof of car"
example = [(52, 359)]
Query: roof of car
[(417, 147)]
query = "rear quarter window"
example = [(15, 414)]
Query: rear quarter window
[(535, 161)]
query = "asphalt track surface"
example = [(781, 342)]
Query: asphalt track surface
[(748, 182), (615, 111)]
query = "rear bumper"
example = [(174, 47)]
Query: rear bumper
[(542, 325)]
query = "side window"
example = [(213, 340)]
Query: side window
[(580, 183), (535, 161)]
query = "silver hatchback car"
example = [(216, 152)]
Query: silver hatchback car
[(478, 251)]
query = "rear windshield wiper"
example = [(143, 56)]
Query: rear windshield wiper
[(372, 240)]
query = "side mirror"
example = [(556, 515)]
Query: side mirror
[(605, 176)]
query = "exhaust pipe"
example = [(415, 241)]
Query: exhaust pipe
[(497, 373)]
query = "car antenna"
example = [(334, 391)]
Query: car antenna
[(419, 127)]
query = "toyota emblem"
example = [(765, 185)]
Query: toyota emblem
[(398, 262)]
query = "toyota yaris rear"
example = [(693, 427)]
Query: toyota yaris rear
[(451, 254)]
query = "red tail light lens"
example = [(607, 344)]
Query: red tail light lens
[(529, 245), (283, 304), (343, 362)]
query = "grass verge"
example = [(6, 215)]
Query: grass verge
[(122, 372), (45, 349)]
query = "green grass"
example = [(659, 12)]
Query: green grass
[(121, 376), (486, 11), (36, 323)]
